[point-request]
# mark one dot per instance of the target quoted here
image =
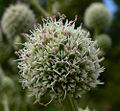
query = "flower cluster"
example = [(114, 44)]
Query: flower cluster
[(97, 16), (16, 19), (58, 60)]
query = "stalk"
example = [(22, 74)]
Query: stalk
[(5, 103), (96, 32), (70, 104), (39, 7)]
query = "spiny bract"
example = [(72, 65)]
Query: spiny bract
[(58, 60), (97, 16), (16, 19)]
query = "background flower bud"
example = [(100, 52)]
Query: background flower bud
[(17, 19), (97, 16)]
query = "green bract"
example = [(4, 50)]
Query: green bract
[(16, 19), (58, 60), (97, 16), (104, 42)]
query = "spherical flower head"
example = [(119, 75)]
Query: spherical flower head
[(58, 60), (16, 19), (104, 42), (97, 16)]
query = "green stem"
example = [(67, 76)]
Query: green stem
[(49, 6), (5, 103), (39, 7), (70, 104), (96, 32)]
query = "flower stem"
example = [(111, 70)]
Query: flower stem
[(70, 104), (96, 32), (5, 103), (39, 7)]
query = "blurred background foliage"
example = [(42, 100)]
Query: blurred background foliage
[(103, 98)]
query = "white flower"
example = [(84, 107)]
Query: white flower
[(59, 59)]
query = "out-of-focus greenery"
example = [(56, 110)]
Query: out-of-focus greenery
[(4, 4), (103, 98)]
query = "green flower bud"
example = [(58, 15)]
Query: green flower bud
[(97, 16), (7, 83), (104, 42), (17, 19)]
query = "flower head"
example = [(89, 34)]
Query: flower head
[(62, 60), (16, 19), (97, 16)]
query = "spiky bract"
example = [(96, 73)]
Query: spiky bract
[(97, 16), (58, 60), (17, 19)]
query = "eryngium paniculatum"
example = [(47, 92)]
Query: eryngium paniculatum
[(58, 60), (97, 16), (16, 19)]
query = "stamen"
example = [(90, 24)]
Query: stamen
[(51, 60), (55, 35), (59, 14), (43, 19), (23, 34), (68, 47), (43, 42), (27, 55), (17, 53)]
